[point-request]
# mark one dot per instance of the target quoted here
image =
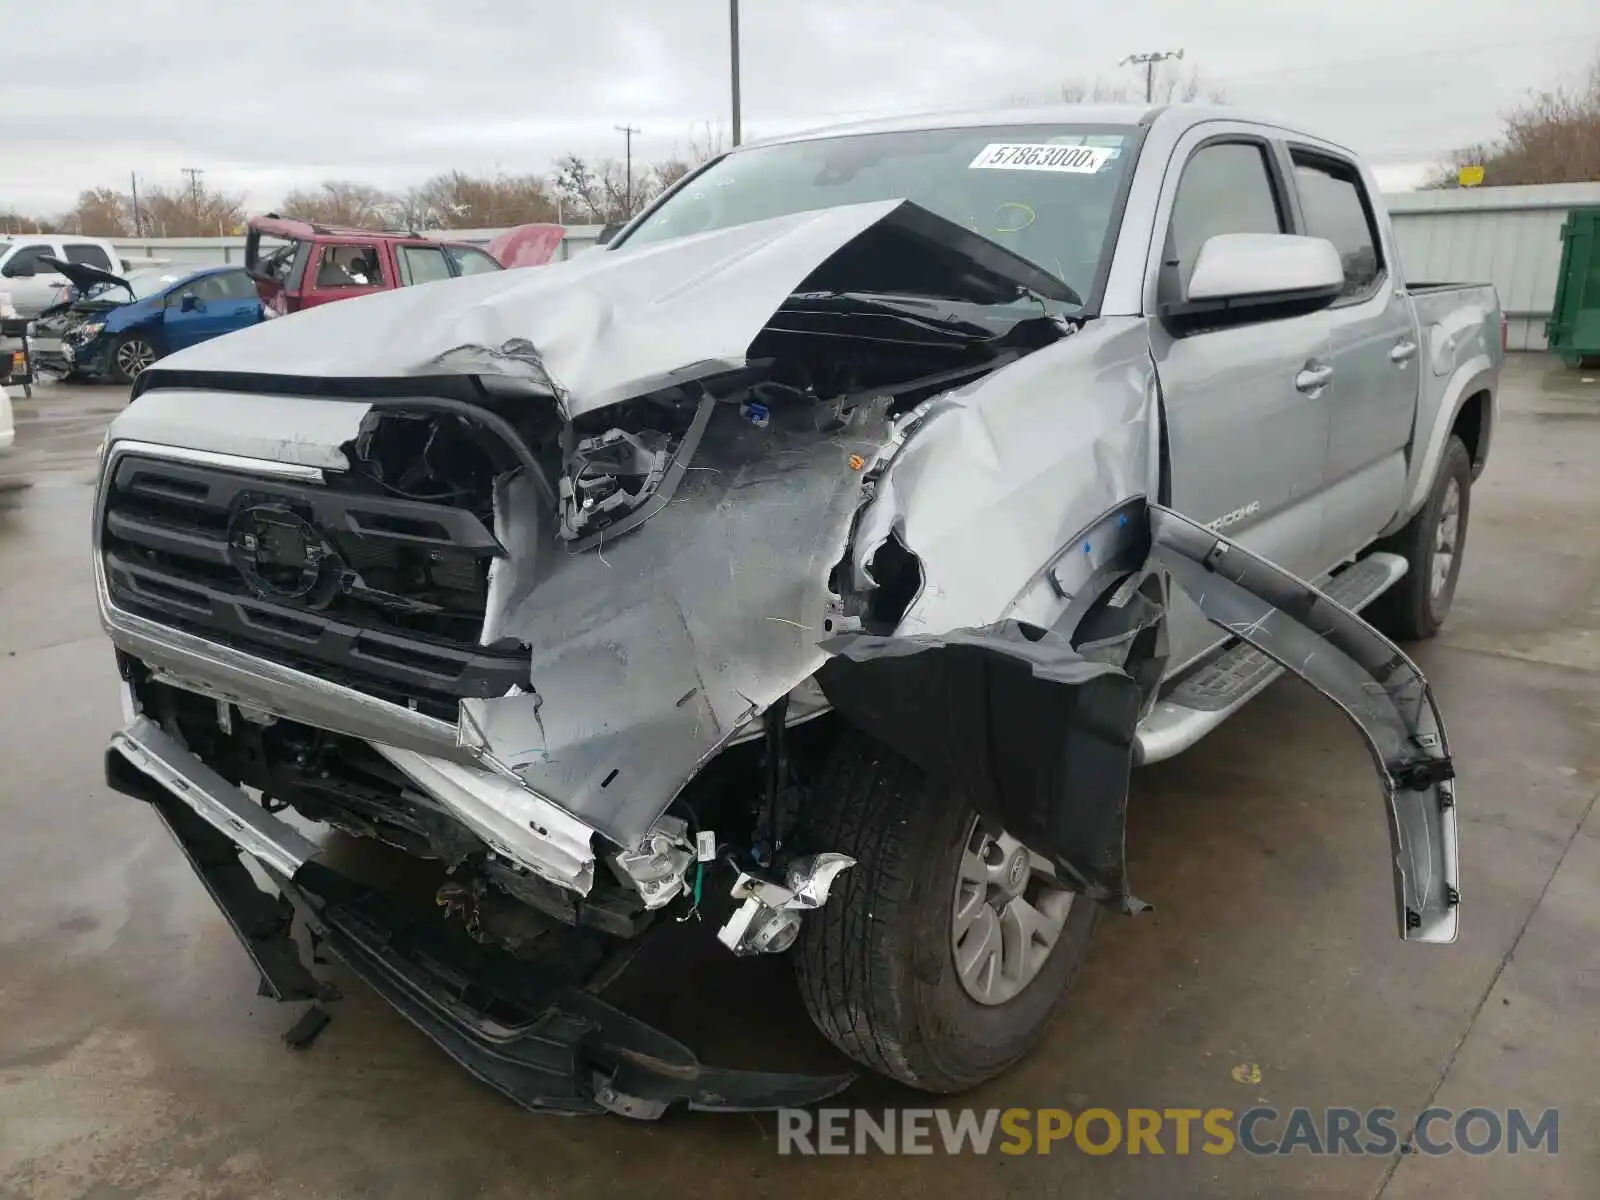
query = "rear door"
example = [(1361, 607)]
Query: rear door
[(1245, 413), (1372, 401), (91, 254), (338, 270)]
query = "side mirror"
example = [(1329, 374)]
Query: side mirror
[(191, 303), (1241, 278), (21, 270), (608, 232)]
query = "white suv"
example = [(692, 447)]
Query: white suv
[(32, 285)]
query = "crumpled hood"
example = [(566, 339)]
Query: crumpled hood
[(83, 277), (610, 324)]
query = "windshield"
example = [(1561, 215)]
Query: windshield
[(1045, 192), (145, 282)]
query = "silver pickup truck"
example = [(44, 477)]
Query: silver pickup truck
[(818, 558)]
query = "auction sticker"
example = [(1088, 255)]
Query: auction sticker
[(1042, 156)]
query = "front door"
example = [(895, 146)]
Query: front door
[(1246, 413), (195, 312)]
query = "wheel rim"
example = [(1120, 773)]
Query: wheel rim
[(1007, 916), (134, 356), (1446, 540)]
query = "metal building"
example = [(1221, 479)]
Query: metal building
[(1508, 236)]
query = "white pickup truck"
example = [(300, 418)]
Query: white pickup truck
[(820, 556), (33, 284)]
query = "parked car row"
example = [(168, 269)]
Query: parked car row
[(95, 323)]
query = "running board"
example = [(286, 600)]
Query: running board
[(1217, 689)]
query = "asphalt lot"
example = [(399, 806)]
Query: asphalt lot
[(136, 1059)]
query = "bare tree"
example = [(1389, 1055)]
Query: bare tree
[(100, 212), (598, 192), (13, 222), (341, 202), (1552, 137), (704, 145), (185, 212), (1172, 86), (477, 202)]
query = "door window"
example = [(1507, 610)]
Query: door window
[(235, 285), (421, 264), (89, 255), (471, 262), (1336, 207), (350, 267), (1227, 187)]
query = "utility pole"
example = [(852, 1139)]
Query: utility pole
[(733, 46), (133, 188), (627, 132), (194, 174), (1148, 62)]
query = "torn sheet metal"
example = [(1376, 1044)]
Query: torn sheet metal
[(1367, 677), (613, 324), (283, 431), (504, 814), (998, 477), (649, 653)]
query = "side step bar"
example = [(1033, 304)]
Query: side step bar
[(1217, 689)]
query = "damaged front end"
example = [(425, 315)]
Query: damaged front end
[(547, 578)]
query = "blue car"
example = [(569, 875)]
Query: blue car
[(114, 326)]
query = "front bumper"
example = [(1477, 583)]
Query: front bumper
[(535, 1037)]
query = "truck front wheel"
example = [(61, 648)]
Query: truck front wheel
[(941, 956)]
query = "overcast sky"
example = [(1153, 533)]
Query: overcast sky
[(264, 97)]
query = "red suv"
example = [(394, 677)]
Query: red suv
[(296, 264)]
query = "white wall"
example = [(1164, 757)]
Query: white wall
[(1508, 236)]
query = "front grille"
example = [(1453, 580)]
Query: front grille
[(378, 593)]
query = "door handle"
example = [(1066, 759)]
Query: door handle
[(1313, 379), (1403, 351)]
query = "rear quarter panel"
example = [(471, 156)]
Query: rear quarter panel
[(1459, 330)]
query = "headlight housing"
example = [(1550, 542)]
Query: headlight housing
[(86, 332)]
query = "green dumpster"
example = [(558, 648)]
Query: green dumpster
[(1573, 329)]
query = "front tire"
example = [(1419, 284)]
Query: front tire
[(131, 356), (881, 966), (1431, 543)]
